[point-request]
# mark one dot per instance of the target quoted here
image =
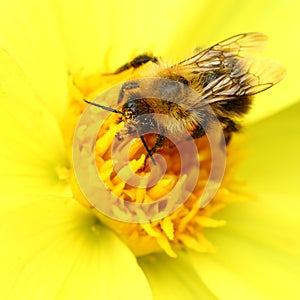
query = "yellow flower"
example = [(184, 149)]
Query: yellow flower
[(52, 246)]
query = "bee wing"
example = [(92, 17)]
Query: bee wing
[(247, 78), (217, 56), (227, 69)]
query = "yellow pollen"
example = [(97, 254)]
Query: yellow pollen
[(62, 172), (185, 227)]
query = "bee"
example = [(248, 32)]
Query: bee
[(225, 76)]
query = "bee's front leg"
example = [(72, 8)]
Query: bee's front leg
[(158, 144)]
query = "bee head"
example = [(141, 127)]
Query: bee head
[(133, 108), (129, 110)]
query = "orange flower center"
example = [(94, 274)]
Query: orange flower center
[(183, 227)]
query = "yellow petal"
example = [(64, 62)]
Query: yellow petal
[(258, 251), (54, 249), (32, 153), (274, 164), (226, 283), (115, 31), (171, 278), (31, 36)]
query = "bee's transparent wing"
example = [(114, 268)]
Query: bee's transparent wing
[(217, 56), (246, 79), (227, 69)]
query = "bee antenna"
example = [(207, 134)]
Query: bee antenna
[(105, 107)]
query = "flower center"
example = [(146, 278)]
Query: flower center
[(182, 228)]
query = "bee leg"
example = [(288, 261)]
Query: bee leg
[(230, 127), (135, 63), (228, 136), (198, 132), (158, 144)]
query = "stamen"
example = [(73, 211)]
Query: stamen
[(185, 227)]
